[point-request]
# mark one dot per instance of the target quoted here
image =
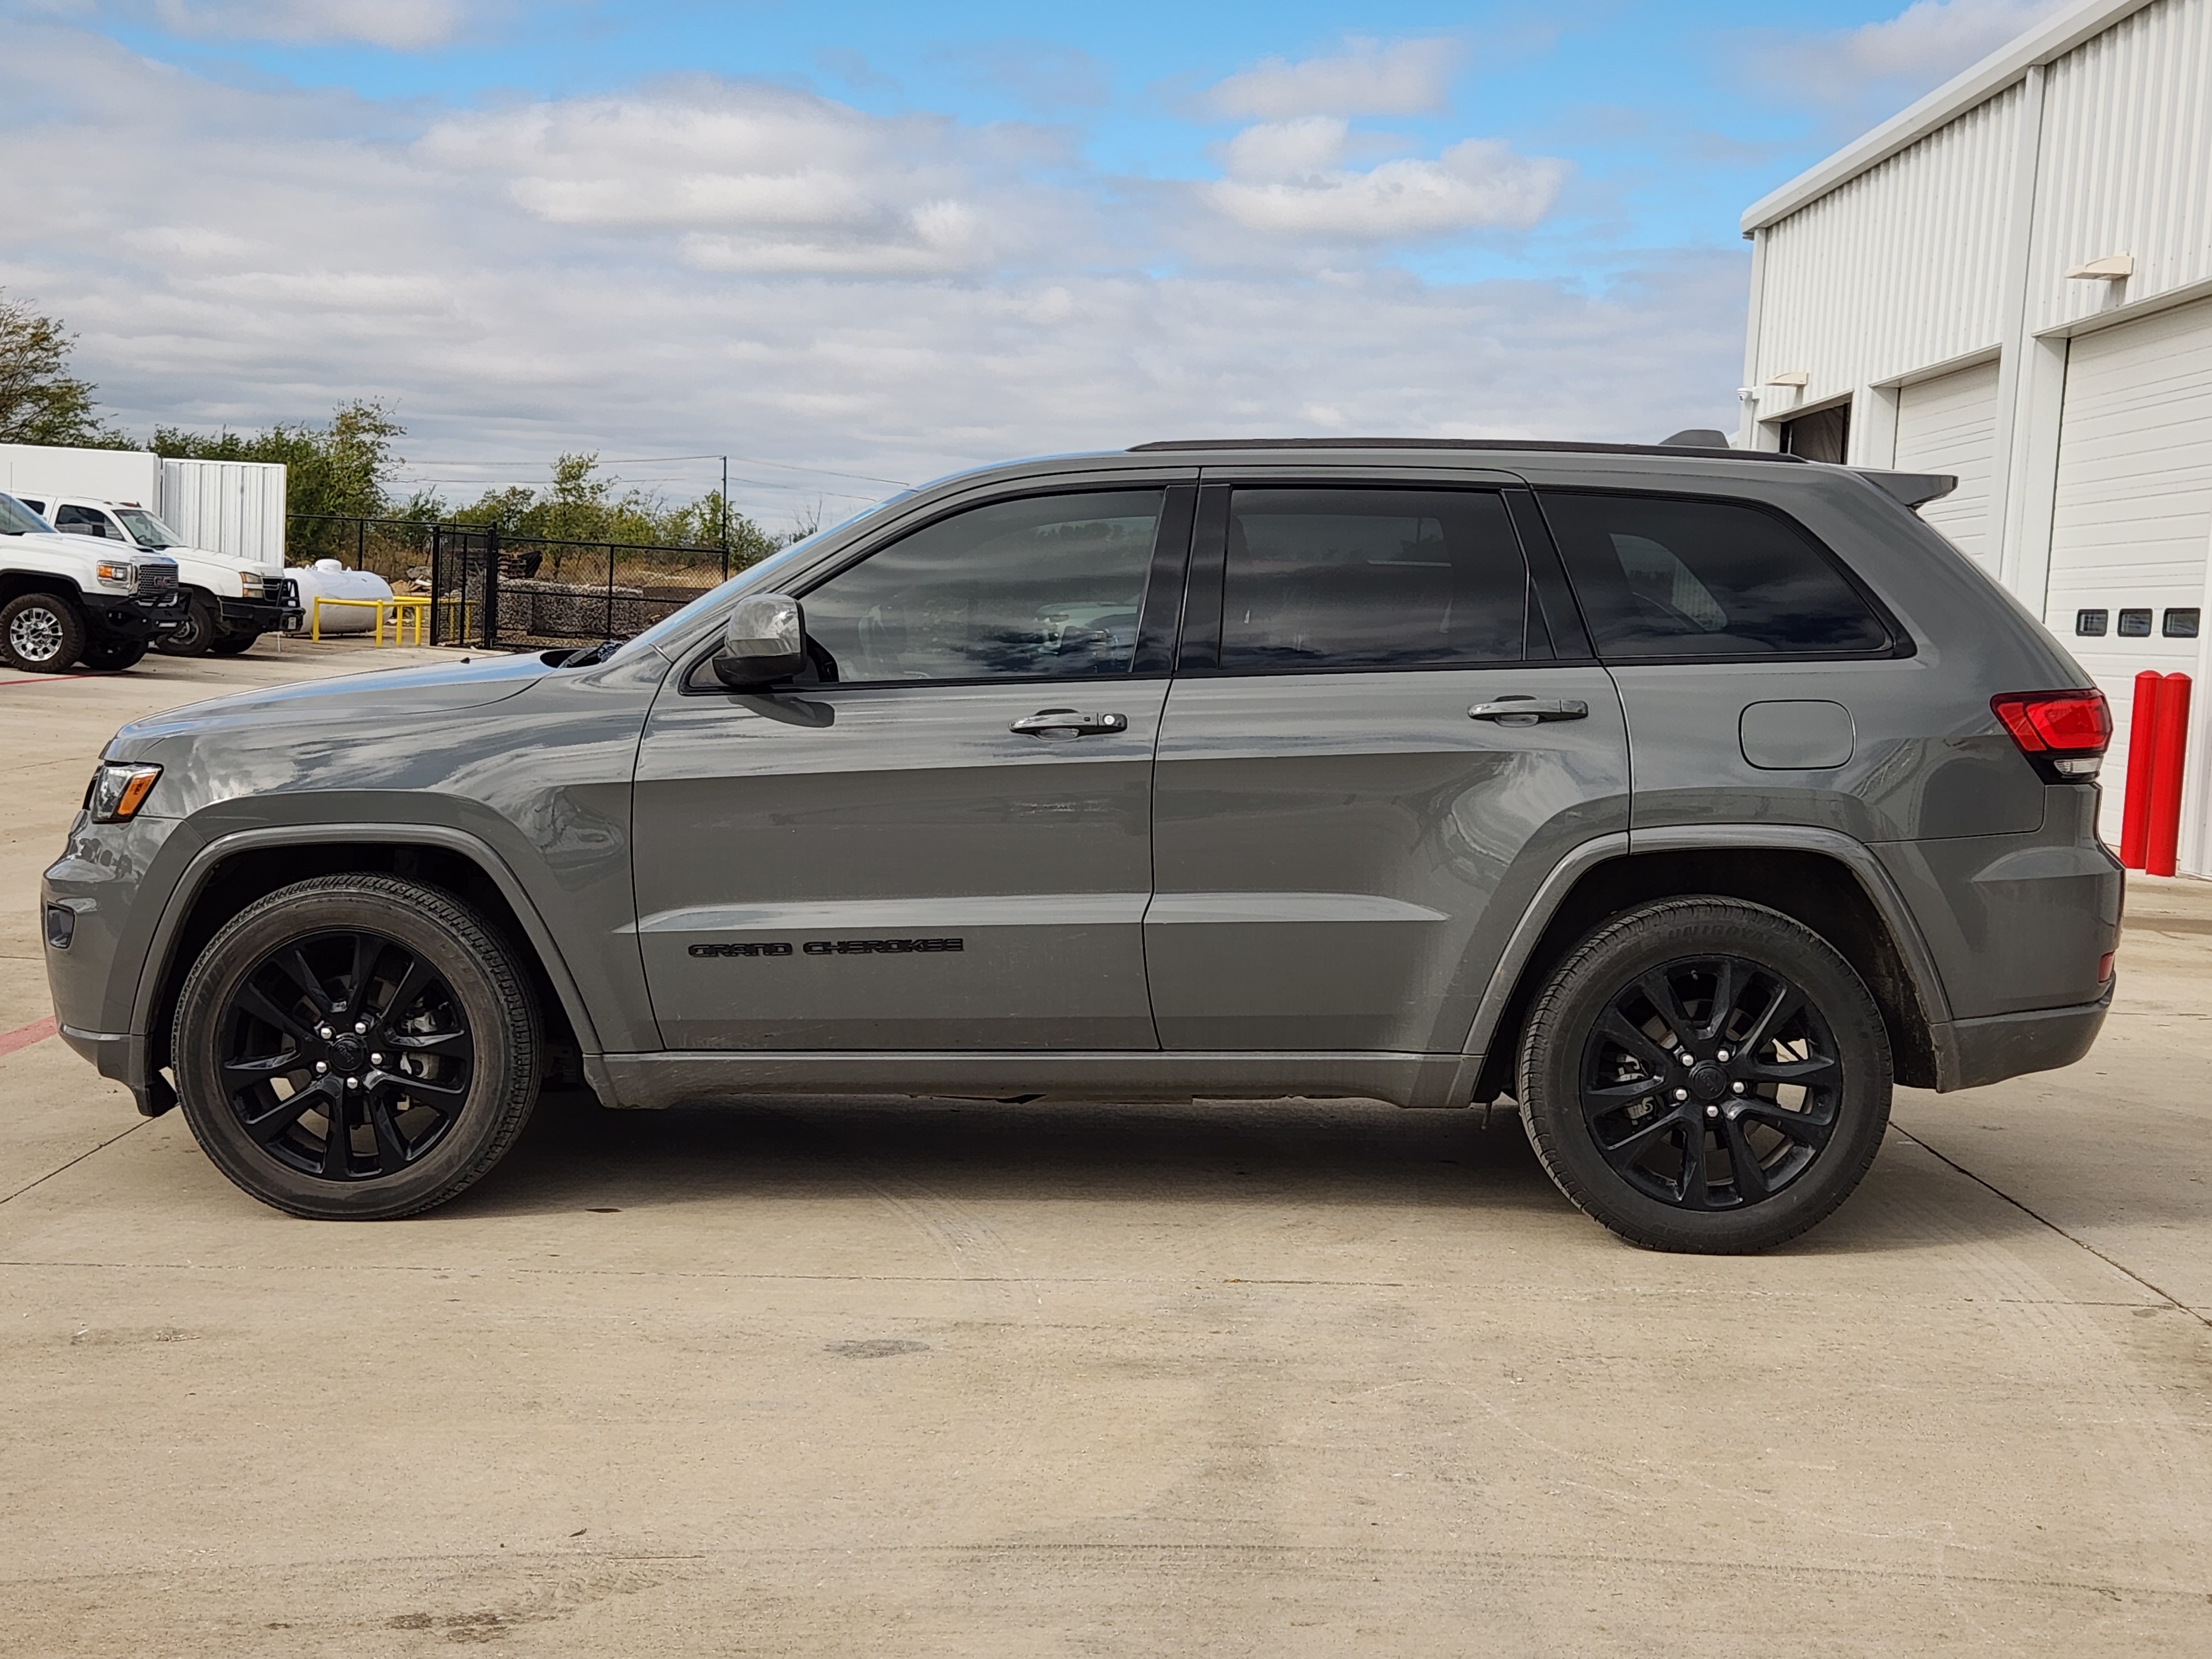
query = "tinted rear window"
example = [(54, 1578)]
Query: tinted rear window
[(1660, 576)]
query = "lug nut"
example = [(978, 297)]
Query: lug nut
[(1681, 1094), (1722, 1056), (353, 1082), (1712, 1111), (1738, 1087), (1684, 1056), (324, 1032), (376, 1059), (321, 1067), (359, 1027)]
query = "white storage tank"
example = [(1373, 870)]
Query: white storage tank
[(331, 579)]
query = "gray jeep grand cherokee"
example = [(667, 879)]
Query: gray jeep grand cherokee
[(1688, 797)]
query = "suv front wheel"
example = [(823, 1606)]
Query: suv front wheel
[(356, 1047), (1706, 1075)]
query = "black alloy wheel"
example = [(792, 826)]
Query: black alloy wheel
[(1710, 1083), (344, 1056), (357, 1047), (1705, 1074)]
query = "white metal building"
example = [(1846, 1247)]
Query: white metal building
[(226, 506), (2012, 282)]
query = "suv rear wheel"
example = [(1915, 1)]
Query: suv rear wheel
[(1706, 1075), (41, 633), (356, 1047)]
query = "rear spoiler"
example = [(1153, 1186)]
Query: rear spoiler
[(1915, 489)]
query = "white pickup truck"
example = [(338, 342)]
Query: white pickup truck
[(230, 601), (64, 599)]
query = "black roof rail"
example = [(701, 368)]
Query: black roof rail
[(1547, 446)]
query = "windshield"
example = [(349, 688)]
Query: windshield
[(17, 520), (147, 530), (651, 638)]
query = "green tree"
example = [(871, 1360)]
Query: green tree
[(341, 470), (41, 401)]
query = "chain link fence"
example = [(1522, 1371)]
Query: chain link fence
[(500, 590)]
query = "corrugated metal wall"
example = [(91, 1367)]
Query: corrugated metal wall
[(1900, 269), (227, 507), (1949, 424), (2126, 163)]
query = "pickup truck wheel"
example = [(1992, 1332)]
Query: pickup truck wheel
[(41, 633), (356, 1047), (1706, 1075), (202, 625), (231, 645), (112, 656)]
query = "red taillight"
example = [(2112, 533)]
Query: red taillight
[(2065, 732)]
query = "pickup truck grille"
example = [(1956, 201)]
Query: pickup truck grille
[(156, 579)]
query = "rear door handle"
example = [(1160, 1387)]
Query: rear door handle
[(1528, 711), (1067, 723)]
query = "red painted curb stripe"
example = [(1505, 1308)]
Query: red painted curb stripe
[(52, 679), (38, 1032)]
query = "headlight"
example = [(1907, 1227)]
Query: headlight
[(115, 574), (118, 789), (250, 584)]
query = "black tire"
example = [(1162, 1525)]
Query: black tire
[(201, 628), (445, 1074), (112, 656), (41, 633), (231, 645), (1720, 1157)]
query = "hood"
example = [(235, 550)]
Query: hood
[(376, 700)]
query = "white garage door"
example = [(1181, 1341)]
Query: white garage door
[(2132, 529), (1949, 424)]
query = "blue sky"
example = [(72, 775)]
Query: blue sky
[(894, 239)]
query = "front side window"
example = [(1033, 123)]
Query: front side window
[(1322, 579), (1661, 576), (1044, 587), (86, 521)]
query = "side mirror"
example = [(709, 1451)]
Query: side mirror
[(764, 642)]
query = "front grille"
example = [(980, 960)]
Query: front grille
[(156, 579), (285, 591)]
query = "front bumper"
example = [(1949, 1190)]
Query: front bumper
[(259, 615), (133, 617)]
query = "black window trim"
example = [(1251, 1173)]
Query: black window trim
[(1900, 646), (1158, 608), (1199, 656)]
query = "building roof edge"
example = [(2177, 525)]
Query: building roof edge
[(1985, 81)]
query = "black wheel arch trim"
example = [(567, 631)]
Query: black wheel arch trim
[(137, 1072), (1505, 980)]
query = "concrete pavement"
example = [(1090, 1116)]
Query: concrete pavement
[(800, 1377)]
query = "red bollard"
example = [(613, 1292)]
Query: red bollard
[(2134, 813), (2169, 741)]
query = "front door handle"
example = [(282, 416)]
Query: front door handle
[(1528, 711), (1067, 723)]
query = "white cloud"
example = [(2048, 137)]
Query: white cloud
[(1368, 77), (1286, 177), (403, 25), (247, 254), (1920, 48), (748, 177)]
